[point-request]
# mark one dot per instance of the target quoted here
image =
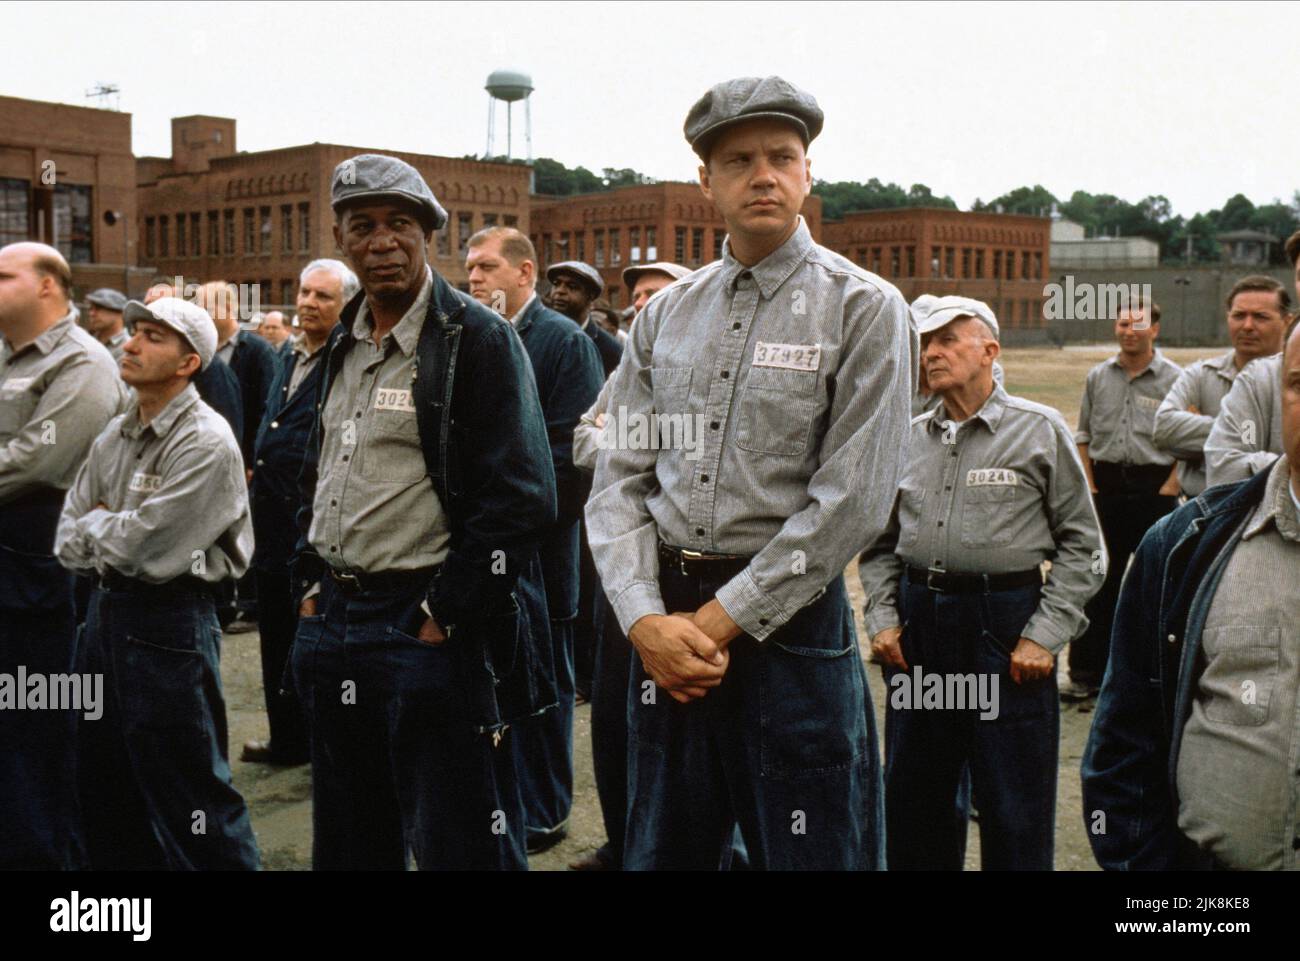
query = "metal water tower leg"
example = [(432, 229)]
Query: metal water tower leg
[(491, 118), (510, 130), (528, 125)]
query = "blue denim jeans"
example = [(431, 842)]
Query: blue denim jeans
[(37, 789), (785, 747), (398, 768), (153, 772), (930, 753), (543, 744), (609, 731)]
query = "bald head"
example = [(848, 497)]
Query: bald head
[(221, 301), (35, 290)]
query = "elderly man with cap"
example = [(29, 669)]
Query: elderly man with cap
[(58, 388), (153, 773), (772, 380), (104, 319), (611, 652), (502, 268), (427, 489), (1133, 482), (956, 604), (324, 286), (574, 287)]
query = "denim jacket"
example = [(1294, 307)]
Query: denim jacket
[(1130, 764), (486, 450)]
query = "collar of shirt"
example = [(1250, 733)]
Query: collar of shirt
[(1279, 505), (47, 341), (299, 346), (514, 321), (407, 330), (1157, 361), (774, 269), (990, 413), (230, 344), (161, 424), (1224, 365), (121, 337)]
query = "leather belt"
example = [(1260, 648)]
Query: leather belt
[(116, 582), (942, 582), (1115, 478), (698, 564), (384, 582)]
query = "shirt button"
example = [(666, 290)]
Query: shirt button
[(948, 488), (274, 424), (762, 622), (735, 326), (726, 374), (334, 550), (1172, 639), (345, 457), (704, 478), (334, 503), (699, 532), (941, 523), (713, 425), (260, 462)]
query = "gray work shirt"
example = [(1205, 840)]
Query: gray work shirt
[(1247, 434), (305, 361), (1117, 416), (375, 508), (1000, 492), (1238, 769), (783, 391), (117, 344), (1181, 433), (174, 498), (56, 395)]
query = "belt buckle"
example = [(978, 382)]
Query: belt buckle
[(684, 555), (929, 580), (347, 580)]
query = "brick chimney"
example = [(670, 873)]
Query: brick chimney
[(197, 140)]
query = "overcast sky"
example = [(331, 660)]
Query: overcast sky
[(1194, 101)]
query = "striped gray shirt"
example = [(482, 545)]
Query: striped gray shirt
[(56, 394), (1000, 492), (1183, 434), (173, 493), (1117, 416), (1247, 434), (791, 383), (1238, 784)]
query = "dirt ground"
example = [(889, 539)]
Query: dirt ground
[(280, 798)]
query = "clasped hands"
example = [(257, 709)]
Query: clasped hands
[(686, 654)]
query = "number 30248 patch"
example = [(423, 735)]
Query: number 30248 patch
[(788, 356)]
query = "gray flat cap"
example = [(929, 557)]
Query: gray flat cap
[(632, 274), (583, 271), (189, 320), (108, 298), (751, 98), (930, 313), (369, 177)]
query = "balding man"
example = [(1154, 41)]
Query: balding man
[(502, 267), (58, 389), (323, 288), (273, 329)]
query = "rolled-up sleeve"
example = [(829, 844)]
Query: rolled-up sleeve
[(1237, 447), (71, 546), (1083, 435), (1179, 432), (879, 570), (1079, 561), (851, 494), (586, 436)]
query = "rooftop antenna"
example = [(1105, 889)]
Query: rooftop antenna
[(103, 92)]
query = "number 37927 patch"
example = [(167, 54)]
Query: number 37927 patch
[(788, 356)]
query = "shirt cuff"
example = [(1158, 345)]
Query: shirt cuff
[(637, 600), (753, 611), (312, 591), (1082, 437), (880, 618), (1042, 632)]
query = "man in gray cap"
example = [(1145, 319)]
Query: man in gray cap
[(992, 488), (58, 388), (104, 319), (153, 772), (427, 487), (786, 370), (574, 287)]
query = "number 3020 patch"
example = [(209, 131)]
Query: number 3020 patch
[(387, 398), (788, 356)]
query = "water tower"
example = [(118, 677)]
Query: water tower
[(510, 86)]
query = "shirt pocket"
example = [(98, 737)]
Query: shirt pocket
[(987, 514), (911, 505), (392, 446), (1240, 673), (777, 409), (671, 387), (1143, 414), (18, 402)]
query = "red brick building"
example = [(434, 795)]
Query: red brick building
[(208, 212), (62, 168), (1001, 259), (634, 225)]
